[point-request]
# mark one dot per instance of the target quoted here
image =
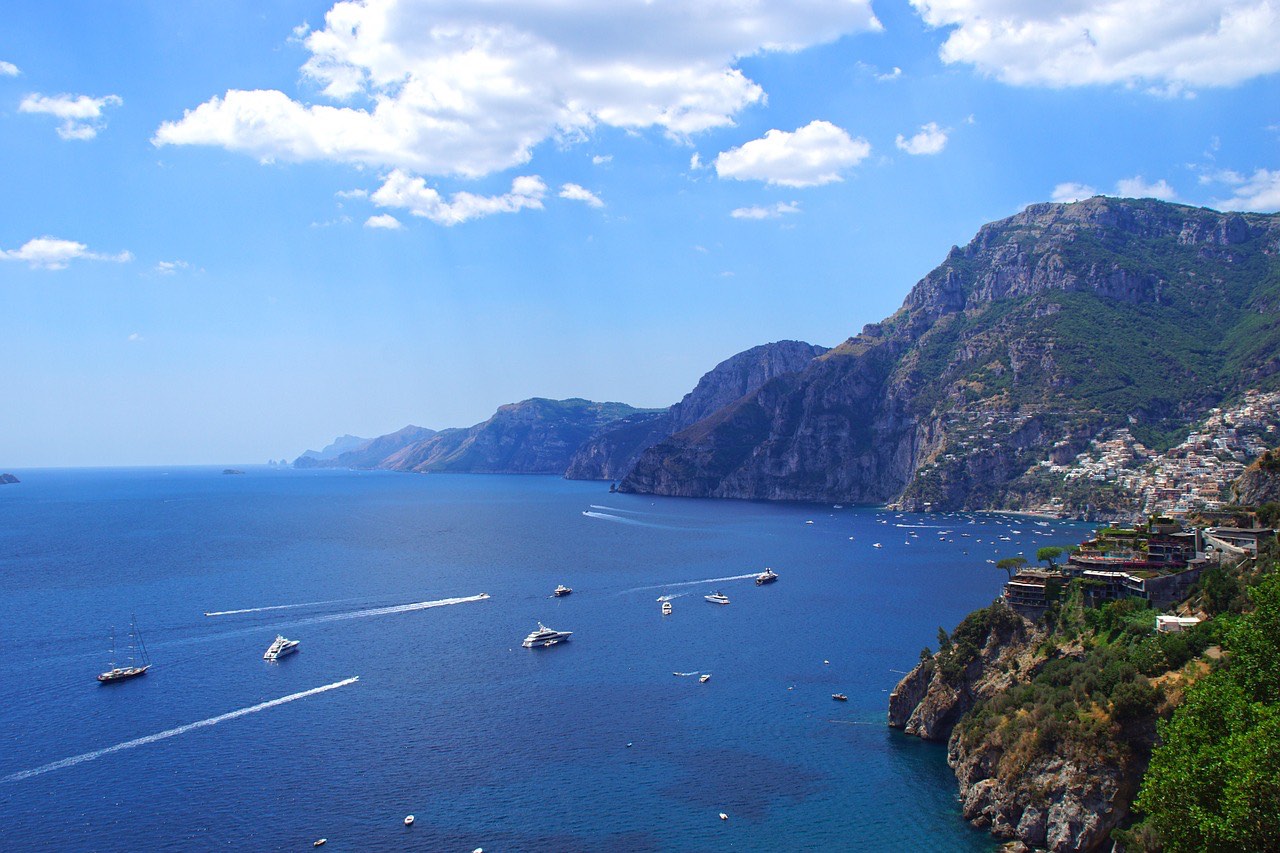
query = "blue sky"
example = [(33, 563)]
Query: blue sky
[(234, 230)]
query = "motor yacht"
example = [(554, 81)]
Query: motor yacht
[(546, 637), (562, 590), (717, 598), (767, 576), (279, 648)]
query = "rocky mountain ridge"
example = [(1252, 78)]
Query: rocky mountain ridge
[(1050, 326)]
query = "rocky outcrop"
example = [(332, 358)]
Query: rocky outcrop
[(613, 453), (536, 436), (6, 479), (1046, 329), (1260, 483), (339, 445)]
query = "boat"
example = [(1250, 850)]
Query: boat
[(723, 816), (717, 598), (562, 590), (839, 697), (666, 608), (139, 660), (279, 648), (408, 821), (545, 637), (703, 679), (767, 576), (320, 842)]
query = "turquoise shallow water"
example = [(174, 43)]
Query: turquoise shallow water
[(487, 744)]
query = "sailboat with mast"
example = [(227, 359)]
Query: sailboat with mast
[(139, 660)]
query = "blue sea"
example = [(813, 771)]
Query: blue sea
[(590, 745)]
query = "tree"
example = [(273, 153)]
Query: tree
[(1049, 555), (1011, 565)]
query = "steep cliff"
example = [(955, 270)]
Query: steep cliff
[(1260, 483), (1047, 328), (536, 436), (612, 454)]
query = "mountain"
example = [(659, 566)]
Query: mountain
[(340, 445), (536, 436), (1047, 329), (370, 452), (1260, 482), (613, 453)]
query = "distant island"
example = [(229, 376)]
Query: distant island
[(232, 471), (5, 479)]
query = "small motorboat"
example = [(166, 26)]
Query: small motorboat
[(717, 598), (703, 679), (666, 608), (561, 591), (320, 842), (408, 821), (723, 816), (839, 697)]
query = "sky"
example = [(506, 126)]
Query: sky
[(231, 231)]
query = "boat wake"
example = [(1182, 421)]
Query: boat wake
[(272, 607), (687, 674), (619, 509), (388, 611), (180, 730), (693, 583)]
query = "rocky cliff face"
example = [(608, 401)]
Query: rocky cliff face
[(1260, 482), (1066, 798), (613, 453), (1049, 327), (536, 436)]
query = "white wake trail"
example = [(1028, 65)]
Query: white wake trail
[(387, 611), (272, 607), (180, 730), (693, 583)]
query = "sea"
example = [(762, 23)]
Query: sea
[(410, 694)]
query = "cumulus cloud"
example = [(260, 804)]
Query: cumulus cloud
[(8, 69), (772, 212), (171, 267), (407, 192), (930, 140), (1258, 193), (813, 155), (1137, 187), (602, 159), (889, 76), (455, 87), (573, 192), (52, 253), (81, 115), (1072, 192), (383, 220), (1163, 45)]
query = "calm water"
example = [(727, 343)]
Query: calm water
[(488, 744)]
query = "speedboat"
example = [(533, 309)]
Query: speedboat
[(703, 679), (767, 576), (666, 608), (408, 821), (279, 648), (562, 590), (546, 637), (839, 697), (717, 598)]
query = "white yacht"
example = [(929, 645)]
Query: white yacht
[(767, 576), (717, 598), (666, 608), (279, 648), (544, 636)]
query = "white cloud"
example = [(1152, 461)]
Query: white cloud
[(601, 159), (574, 192), (81, 115), (1259, 193), (455, 87), (813, 155), (1137, 187), (772, 212), (171, 267), (404, 191), (134, 337), (930, 140), (383, 220), (1162, 45), (350, 194), (8, 69), (52, 253), (889, 76), (1071, 191)]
